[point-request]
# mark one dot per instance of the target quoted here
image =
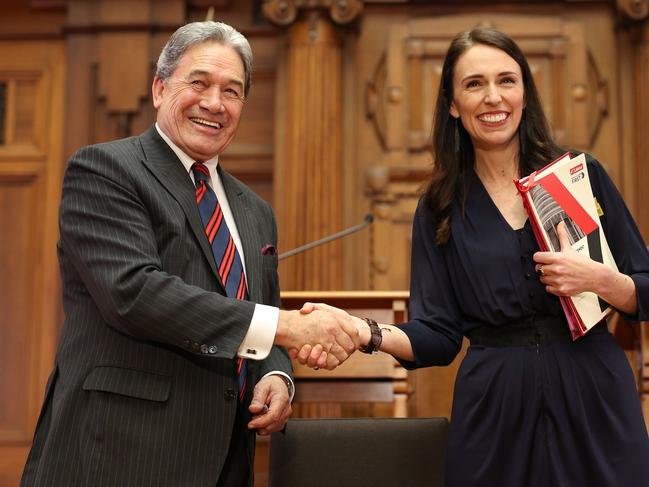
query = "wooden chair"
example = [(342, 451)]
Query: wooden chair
[(351, 452)]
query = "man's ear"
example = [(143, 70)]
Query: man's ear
[(157, 89)]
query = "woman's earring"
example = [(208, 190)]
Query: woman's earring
[(522, 135)]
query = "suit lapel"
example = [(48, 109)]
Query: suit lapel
[(170, 172), (248, 228)]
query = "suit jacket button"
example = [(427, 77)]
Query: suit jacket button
[(230, 394), (212, 349), (203, 348), (196, 346)]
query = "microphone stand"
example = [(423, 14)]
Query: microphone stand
[(369, 218)]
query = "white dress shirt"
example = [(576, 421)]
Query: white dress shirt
[(259, 339)]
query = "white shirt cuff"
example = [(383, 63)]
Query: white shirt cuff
[(257, 343)]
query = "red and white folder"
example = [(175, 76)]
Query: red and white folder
[(561, 191)]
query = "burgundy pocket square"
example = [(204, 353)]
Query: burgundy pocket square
[(268, 249)]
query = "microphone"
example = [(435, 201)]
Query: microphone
[(369, 218)]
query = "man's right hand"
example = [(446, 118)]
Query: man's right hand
[(335, 333)]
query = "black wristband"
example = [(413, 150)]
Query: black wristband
[(376, 337)]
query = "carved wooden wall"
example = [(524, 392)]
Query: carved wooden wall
[(88, 79), (31, 132)]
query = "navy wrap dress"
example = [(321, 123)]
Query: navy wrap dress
[(565, 414)]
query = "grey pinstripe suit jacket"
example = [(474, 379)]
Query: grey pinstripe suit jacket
[(142, 393)]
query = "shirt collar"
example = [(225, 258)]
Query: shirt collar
[(184, 158)]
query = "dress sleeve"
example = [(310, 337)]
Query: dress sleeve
[(624, 238), (434, 328)]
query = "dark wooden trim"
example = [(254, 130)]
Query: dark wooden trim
[(31, 36)]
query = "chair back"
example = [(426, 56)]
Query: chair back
[(357, 452)]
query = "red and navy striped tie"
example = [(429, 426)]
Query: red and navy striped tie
[(225, 251)]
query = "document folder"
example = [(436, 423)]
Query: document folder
[(559, 192)]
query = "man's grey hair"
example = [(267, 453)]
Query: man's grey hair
[(195, 33)]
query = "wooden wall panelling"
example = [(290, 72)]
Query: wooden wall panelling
[(625, 132), (642, 178), (19, 379), (30, 172), (31, 19), (642, 127), (633, 55), (604, 79), (79, 99), (123, 80), (112, 48)]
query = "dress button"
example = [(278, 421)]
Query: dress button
[(527, 275), (212, 349), (230, 394), (531, 294), (204, 348)]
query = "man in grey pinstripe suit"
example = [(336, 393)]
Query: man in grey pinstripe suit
[(144, 389)]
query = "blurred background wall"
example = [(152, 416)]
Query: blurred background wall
[(337, 125)]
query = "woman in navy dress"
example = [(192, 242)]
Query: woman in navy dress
[(531, 407)]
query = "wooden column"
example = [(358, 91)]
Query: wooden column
[(308, 184)]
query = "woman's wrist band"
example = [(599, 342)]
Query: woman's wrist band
[(376, 337)]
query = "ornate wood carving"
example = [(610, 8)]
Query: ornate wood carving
[(393, 191), (112, 44), (280, 12), (599, 104), (633, 10), (374, 95), (285, 12)]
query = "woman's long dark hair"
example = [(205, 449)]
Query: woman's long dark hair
[(453, 153)]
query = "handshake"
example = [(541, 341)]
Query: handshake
[(320, 335)]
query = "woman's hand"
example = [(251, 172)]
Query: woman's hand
[(568, 273)]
